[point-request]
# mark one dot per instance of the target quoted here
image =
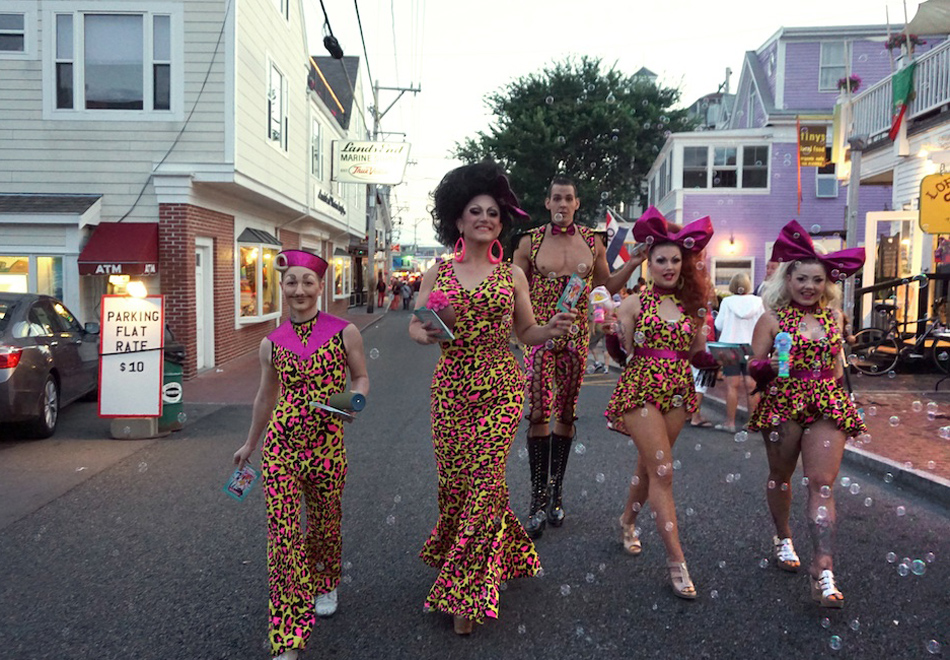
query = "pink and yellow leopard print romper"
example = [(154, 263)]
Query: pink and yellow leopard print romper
[(556, 368), (477, 399), (658, 372), (303, 454), (811, 391)]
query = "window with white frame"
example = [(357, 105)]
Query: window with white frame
[(115, 64), (744, 167), (277, 108), (342, 276), (826, 177), (12, 33), (725, 268), (755, 166), (833, 65), (725, 168), (283, 6), (316, 150), (32, 273), (258, 280)]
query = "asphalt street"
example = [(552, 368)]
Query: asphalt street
[(141, 555)]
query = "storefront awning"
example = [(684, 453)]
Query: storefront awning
[(127, 248)]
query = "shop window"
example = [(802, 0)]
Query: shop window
[(258, 280), (29, 273), (342, 277), (725, 269), (114, 65)]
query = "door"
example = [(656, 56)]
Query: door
[(204, 307)]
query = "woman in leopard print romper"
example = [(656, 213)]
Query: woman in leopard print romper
[(808, 413), (304, 360), (662, 331), (477, 395)]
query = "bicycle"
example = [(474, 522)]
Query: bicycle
[(876, 352)]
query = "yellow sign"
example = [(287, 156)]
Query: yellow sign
[(935, 204), (811, 146)]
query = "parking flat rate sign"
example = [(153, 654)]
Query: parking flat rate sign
[(130, 369)]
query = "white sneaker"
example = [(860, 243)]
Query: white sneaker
[(325, 604), (287, 655)]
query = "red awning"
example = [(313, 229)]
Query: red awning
[(127, 248)]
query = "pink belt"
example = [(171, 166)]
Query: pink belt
[(661, 353), (811, 374)]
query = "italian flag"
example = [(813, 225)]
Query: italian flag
[(902, 90)]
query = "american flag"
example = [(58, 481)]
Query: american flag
[(617, 254)]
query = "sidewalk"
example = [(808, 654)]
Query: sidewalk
[(236, 381), (905, 430)]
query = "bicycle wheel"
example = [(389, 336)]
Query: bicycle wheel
[(940, 351), (874, 352)]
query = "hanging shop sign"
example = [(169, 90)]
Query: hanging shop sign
[(811, 146), (935, 204)]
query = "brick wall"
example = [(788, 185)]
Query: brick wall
[(179, 224)]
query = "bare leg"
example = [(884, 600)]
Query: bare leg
[(637, 495), (822, 449), (732, 399), (783, 458), (654, 436)]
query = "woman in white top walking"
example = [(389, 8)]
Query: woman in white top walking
[(738, 314)]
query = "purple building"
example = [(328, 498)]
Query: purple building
[(745, 175)]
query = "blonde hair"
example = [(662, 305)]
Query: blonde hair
[(740, 284), (775, 292)]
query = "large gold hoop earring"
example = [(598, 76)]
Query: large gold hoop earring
[(680, 283)]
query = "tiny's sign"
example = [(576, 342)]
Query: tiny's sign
[(811, 146), (130, 369), (369, 162), (935, 204)]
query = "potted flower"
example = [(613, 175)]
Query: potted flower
[(899, 40), (849, 83)]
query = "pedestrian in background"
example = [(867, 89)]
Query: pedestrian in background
[(405, 290), (477, 394), (380, 291), (662, 333), (735, 322), (804, 410), (303, 458)]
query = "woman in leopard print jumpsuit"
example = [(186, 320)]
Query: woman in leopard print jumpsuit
[(303, 361), (477, 395)]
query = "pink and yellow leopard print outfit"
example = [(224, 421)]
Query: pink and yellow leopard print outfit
[(658, 372), (477, 398), (811, 391), (303, 455), (556, 368)]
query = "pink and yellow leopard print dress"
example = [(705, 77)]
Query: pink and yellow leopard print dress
[(556, 368), (303, 454), (477, 397), (658, 372), (811, 390)]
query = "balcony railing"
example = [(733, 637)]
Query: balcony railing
[(872, 108)]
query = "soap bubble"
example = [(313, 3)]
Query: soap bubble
[(182, 417), (549, 100), (888, 478), (390, 520), (916, 406), (933, 647), (763, 563), (868, 501), (845, 482), (854, 625), (374, 354), (580, 449), (659, 454), (930, 557), (742, 436), (871, 411), (855, 488), (903, 569), (559, 217), (894, 420), (835, 643), (600, 477), (918, 567), (689, 242), (561, 139), (773, 436), (891, 557), (826, 623), (143, 466), (815, 229), (901, 511), (825, 492), (565, 590)]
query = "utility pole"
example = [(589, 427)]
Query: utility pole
[(858, 145), (371, 234)]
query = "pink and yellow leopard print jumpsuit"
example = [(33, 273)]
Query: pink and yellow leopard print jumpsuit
[(303, 455), (477, 399), (556, 368)]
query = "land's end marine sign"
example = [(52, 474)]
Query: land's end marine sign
[(369, 162)]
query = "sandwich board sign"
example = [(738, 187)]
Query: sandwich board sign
[(131, 362)]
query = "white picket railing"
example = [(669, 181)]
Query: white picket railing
[(872, 108)]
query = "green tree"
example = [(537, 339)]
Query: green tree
[(599, 127)]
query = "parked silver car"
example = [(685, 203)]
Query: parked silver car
[(47, 360)]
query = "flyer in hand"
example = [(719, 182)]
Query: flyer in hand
[(344, 415), (426, 315), (239, 485), (572, 293)]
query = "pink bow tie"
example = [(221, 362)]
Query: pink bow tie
[(569, 230)]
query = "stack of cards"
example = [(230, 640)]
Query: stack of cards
[(239, 485)]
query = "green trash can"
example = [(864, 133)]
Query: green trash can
[(173, 415)]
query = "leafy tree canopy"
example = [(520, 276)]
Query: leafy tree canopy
[(601, 128)]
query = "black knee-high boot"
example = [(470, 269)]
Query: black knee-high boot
[(539, 452), (560, 452)]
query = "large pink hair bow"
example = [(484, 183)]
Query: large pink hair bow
[(653, 229), (506, 197), (794, 243)]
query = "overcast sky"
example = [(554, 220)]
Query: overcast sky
[(458, 52)]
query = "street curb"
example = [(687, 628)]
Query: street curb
[(925, 484)]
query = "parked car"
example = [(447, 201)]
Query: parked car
[(47, 360)]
